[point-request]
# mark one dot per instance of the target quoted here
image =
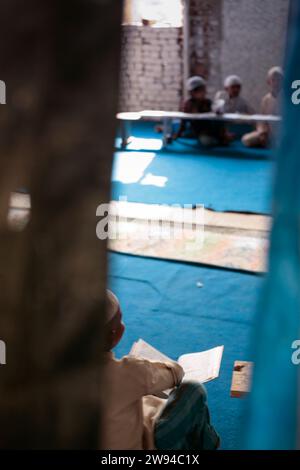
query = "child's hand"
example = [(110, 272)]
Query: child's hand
[(218, 107)]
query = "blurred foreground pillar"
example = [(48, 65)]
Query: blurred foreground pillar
[(59, 60), (274, 408)]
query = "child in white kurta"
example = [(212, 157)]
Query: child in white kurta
[(133, 417), (230, 100)]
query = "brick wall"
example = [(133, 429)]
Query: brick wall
[(151, 68), (244, 37)]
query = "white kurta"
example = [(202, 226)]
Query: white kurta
[(129, 407), (232, 105)]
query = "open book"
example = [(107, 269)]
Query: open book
[(201, 366)]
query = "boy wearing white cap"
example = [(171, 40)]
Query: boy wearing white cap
[(198, 101), (270, 104), (133, 418), (230, 100), (209, 133)]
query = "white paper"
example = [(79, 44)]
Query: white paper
[(144, 350), (202, 366)]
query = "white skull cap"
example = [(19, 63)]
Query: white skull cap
[(195, 82), (232, 80), (276, 70), (112, 306)]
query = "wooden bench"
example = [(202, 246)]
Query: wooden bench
[(167, 118)]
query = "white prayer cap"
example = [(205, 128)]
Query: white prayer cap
[(275, 71), (112, 306), (195, 82), (232, 80)]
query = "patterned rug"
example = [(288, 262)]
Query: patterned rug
[(226, 249)]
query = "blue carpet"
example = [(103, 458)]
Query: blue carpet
[(162, 304), (230, 178)]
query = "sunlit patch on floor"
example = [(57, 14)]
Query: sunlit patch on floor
[(154, 180), (139, 143), (130, 167)]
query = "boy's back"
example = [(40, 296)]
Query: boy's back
[(128, 419), (133, 418)]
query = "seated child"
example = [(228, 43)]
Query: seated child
[(270, 104), (230, 100), (209, 133), (133, 418)]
